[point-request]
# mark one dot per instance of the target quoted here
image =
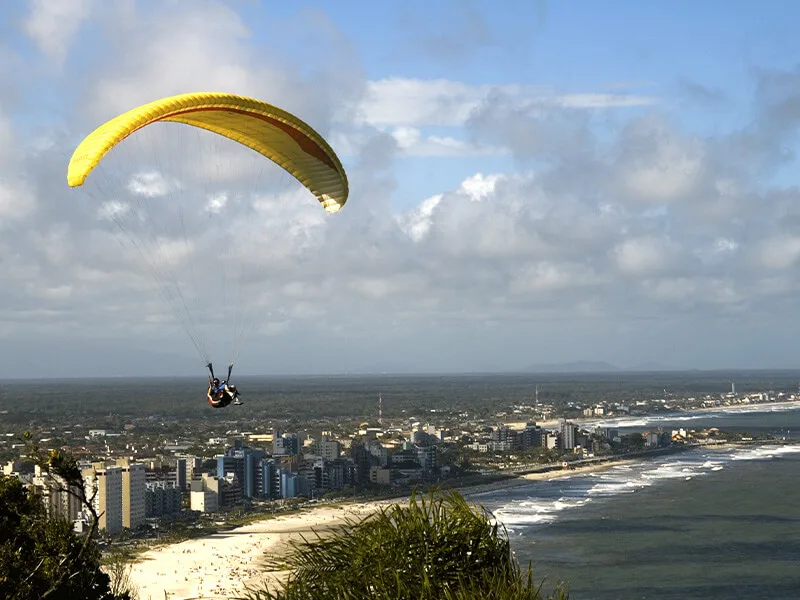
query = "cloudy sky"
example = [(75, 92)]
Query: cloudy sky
[(531, 182)]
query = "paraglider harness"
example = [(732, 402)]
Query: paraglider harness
[(221, 394)]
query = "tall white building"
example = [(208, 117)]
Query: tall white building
[(103, 486), (329, 449), (569, 432), (133, 492), (204, 494)]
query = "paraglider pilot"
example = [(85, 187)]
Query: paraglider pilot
[(221, 393)]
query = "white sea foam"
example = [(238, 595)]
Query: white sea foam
[(649, 421), (535, 512), (550, 499), (764, 452)]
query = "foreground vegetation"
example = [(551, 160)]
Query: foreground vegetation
[(41, 557), (436, 547)]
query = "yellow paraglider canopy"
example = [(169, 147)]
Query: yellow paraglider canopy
[(270, 131)]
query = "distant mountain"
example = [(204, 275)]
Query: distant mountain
[(579, 366), (653, 367)]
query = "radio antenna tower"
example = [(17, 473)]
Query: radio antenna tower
[(380, 409)]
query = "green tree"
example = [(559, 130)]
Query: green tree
[(439, 547), (633, 441), (41, 557)]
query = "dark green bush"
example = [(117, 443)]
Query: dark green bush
[(436, 547)]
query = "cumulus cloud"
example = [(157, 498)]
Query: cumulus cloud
[(408, 108), (594, 230), (657, 163), (645, 255), (780, 252), (17, 193), (416, 102), (411, 141), (54, 25)]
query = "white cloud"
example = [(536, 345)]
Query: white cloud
[(412, 142), (724, 245), (479, 186), (17, 193), (113, 209), (718, 251), (780, 252), (645, 255), (441, 102), (203, 48), (150, 184), (7, 139), (54, 25), (545, 277), (216, 203), (687, 292), (659, 165), (17, 201), (417, 222)]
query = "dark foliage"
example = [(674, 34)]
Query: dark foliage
[(439, 547), (41, 557)]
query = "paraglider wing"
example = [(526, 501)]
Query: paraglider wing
[(270, 131)]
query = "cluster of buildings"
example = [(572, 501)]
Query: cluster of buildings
[(566, 436), (122, 493), (296, 468), (125, 493), (271, 466)]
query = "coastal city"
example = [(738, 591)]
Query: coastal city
[(140, 480), (399, 300)]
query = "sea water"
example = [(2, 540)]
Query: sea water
[(706, 523)]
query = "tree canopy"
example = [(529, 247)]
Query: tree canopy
[(436, 547), (41, 556)]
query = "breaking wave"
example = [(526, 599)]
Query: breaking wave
[(543, 502)]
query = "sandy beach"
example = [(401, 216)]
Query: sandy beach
[(577, 470), (224, 564)]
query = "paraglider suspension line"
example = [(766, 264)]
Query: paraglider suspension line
[(211, 370)]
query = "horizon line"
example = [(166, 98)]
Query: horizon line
[(517, 372)]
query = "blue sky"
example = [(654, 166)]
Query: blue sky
[(618, 179), (675, 51)]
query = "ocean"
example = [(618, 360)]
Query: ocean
[(706, 523)]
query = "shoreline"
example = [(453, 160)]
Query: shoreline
[(737, 407), (223, 564), (729, 409)]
